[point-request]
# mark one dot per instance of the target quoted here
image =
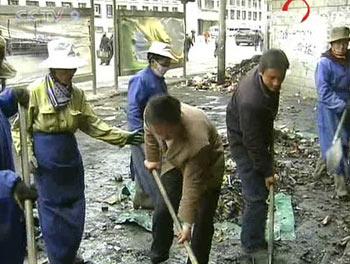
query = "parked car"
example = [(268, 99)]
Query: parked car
[(246, 36)]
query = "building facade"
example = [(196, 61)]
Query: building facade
[(103, 8), (203, 14)]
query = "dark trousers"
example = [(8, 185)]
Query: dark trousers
[(254, 194), (162, 229), (142, 176)]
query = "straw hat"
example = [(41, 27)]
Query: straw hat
[(338, 33), (162, 49), (62, 55), (6, 69)]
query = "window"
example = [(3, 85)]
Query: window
[(97, 10), (110, 30), (254, 4), (175, 9), (133, 7), (260, 16), (121, 7), (244, 15), (238, 2), (50, 4), (243, 2), (165, 9), (232, 14), (155, 8), (249, 15), (98, 29), (14, 2), (249, 3), (232, 2), (238, 14), (259, 1), (32, 3), (82, 5), (199, 4), (109, 9), (145, 8), (67, 4), (255, 15)]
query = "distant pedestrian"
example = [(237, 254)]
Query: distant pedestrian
[(332, 78), (216, 47), (104, 51), (110, 49), (193, 36), (206, 36), (188, 45)]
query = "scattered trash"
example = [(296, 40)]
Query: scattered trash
[(326, 220), (142, 218)]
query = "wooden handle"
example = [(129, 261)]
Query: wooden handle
[(177, 224), (272, 220), (28, 204)]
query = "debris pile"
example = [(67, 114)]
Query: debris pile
[(233, 76), (295, 159)]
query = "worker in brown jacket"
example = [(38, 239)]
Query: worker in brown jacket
[(184, 145)]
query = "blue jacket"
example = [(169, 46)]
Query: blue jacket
[(142, 87), (12, 230), (332, 79)]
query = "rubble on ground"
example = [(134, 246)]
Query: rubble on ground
[(233, 76)]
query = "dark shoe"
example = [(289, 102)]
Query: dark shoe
[(79, 260), (159, 259), (141, 199)]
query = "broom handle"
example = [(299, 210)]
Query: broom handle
[(28, 204)]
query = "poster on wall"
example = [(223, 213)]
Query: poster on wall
[(27, 31), (138, 29)]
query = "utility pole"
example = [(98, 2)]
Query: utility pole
[(185, 29), (93, 49), (115, 44), (222, 43)]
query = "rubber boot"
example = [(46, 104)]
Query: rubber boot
[(142, 199), (340, 186)]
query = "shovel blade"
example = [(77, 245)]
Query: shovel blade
[(333, 156)]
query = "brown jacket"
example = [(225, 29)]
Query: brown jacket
[(198, 154)]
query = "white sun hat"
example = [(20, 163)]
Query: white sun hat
[(162, 49), (62, 55)]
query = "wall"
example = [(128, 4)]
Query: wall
[(304, 42)]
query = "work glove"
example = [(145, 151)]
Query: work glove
[(22, 192), (135, 138), (22, 96)]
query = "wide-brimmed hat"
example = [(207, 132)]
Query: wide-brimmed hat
[(162, 49), (339, 33), (6, 69), (62, 55)]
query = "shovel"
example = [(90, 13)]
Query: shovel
[(335, 153), (177, 224), (271, 224), (28, 204)]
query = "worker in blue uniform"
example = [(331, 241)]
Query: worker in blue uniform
[(143, 86), (332, 79), (12, 190)]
